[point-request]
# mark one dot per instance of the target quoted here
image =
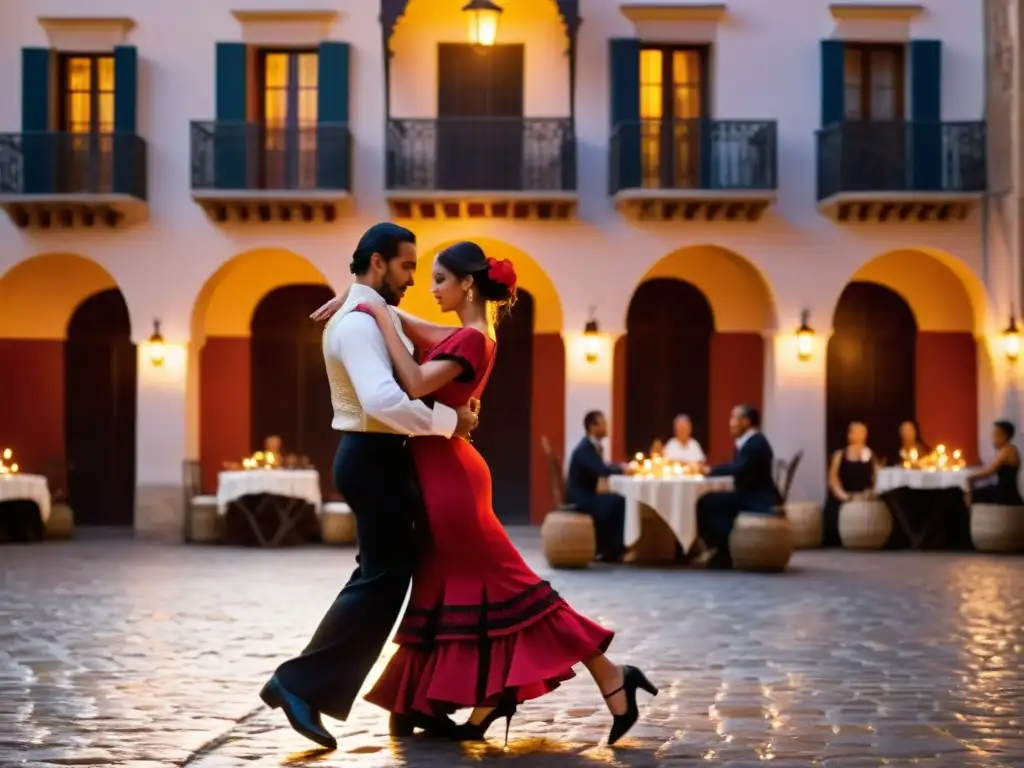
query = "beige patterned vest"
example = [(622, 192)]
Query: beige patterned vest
[(348, 413)]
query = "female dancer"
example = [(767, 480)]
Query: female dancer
[(481, 629)]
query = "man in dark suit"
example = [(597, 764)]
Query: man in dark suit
[(753, 490), (587, 470)]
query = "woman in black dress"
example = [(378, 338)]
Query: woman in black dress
[(851, 475), (1004, 467)]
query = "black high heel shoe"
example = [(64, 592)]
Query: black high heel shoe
[(632, 679), (468, 731)]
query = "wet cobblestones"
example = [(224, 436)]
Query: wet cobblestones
[(138, 656)]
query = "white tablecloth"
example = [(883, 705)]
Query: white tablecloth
[(293, 483), (32, 487), (674, 499), (891, 478)]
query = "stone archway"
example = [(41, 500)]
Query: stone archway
[(743, 311)]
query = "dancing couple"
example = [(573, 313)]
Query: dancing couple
[(481, 631)]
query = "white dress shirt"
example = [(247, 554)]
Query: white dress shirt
[(742, 439), (689, 452), (357, 343)]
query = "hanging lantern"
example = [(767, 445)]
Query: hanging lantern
[(155, 348), (1011, 339), (592, 340), (483, 22), (804, 337)]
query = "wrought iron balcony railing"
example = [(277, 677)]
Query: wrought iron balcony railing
[(485, 154), (228, 156), (62, 163), (901, 156), (698, 154)]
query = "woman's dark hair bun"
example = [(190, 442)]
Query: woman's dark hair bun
[(468, 259)]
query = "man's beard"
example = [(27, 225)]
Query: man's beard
[(389, 294)]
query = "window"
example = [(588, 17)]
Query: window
[(673, 97), (875, 81), (288, 114), (87, 93)]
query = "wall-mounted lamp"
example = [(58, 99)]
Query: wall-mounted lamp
[(1011, 339), (804, 337), (484, 16), (155, 348), (592, 339)]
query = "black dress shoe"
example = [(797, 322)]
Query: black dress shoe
[(438, 726), (302, 717)]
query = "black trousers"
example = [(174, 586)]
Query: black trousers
[(716, 515), (21, 521), (375, 474)]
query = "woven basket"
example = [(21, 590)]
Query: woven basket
[(568, 539), (995, 528), (61, 523), (805, 520), (338, 524), (864, 524), (761, 542), (204, 521)]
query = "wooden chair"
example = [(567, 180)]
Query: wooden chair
[(787, 481), (202, 520), (567, 536)]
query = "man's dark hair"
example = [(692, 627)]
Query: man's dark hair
[(383, 238), (1006, 427), (591, 419), (751, 414)]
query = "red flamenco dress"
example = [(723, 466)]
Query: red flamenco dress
[(480, 624)]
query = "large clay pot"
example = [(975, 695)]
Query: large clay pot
[(760, 542), (337, 524), (995, 528), (864, 524), (805, 520), (568, 539)]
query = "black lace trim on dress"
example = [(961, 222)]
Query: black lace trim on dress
[(478, 621)]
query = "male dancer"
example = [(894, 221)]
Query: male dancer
[(375, 473)]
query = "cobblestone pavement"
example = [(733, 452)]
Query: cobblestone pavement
[(138, 656)]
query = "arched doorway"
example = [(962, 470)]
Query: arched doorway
[(871, 367), (100, 373), (290, 395), (669, 327), (504, 436)]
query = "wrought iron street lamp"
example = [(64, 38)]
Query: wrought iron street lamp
[(804, 337), (155, 348), (1011, 339)]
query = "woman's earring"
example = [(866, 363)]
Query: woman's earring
[(469, 296)]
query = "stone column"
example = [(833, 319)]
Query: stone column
[(795, 408), (161, 444), (588, 384)]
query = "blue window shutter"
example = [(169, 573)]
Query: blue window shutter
[(926, 114), (333, 148), (38, 147), (231, 137), (833, 85), (624, 79), (129, 153)]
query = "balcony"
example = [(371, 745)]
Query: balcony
[(56, 179), (245, 172), (694, 170), (897, 171), (481, 168)]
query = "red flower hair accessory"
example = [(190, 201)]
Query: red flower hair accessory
[(502, 271)]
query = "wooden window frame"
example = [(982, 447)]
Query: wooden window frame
[(865, 49), (261, 77), (668, 93), (63, 81)]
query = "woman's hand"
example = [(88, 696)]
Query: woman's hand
[(327, 310)]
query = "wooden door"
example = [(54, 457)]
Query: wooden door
[(871, 367), (100, 374), (289, 107), (668, 361), (290, 393), (480, 130), (503, 438)]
